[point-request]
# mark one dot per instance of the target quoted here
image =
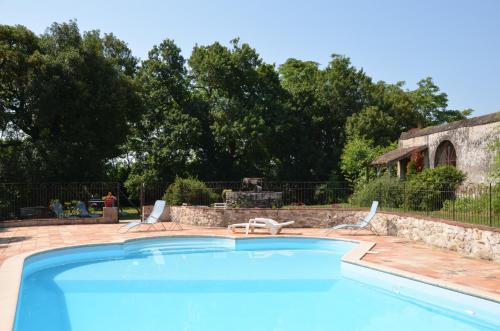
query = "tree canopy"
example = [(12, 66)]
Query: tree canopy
[(79, 106), (65, 103)]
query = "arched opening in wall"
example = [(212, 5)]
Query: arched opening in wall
[(445, 154)]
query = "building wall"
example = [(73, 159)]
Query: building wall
[(471, 146)]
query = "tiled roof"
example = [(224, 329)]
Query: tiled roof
[(398, 154), (480, 120)]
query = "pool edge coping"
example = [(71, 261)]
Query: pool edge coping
[(11, 271)]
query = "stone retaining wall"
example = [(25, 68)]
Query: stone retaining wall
[(477, 241), (303, 217), (468, 239)]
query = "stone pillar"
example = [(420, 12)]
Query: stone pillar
[(426, 159), (401, 169), (110, 214)]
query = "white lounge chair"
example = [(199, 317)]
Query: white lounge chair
[(363, 223), (271, 225), (153, 218)]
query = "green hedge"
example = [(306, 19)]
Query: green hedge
[(477, 204), (190, 191), (425, 191), (387, 190), (429, 189)]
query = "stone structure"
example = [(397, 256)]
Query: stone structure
[(468, 239), (214, 217), (110, 214), (464, 144), (244, 199)]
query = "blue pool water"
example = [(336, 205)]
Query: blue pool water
[(206, 283)]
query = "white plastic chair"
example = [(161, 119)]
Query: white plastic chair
[(364, 222), (153, 218)]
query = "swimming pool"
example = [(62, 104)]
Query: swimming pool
[(216, 283)]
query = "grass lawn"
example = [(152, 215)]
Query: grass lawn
[(129, 213)]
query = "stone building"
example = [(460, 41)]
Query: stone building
[(463, 144)]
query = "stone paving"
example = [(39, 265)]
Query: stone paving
[(394, 252)]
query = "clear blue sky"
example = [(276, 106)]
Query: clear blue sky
[(456, 42)]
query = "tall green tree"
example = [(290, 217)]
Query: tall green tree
[(67, 101), (321, 101), (244, 101), (166, 140), (432, 104), (356, 158)]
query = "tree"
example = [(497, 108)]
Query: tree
[(165, 142), (78, 106), (299, 152), (431, 104), (374, 124), (243, 97), (67, 100), (321, 100), (356, 158), (19, 54)]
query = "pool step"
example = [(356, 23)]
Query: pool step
[(178, 246)]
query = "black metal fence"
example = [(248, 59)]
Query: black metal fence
[(479, 204), (476, 204), (33, 200), (294, 193)]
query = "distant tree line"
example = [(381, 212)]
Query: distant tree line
[(80, 107)]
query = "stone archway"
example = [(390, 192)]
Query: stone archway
[(445, 154)]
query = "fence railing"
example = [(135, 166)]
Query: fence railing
[(477, 204), (294, 193), (33, 200), (472, 204)]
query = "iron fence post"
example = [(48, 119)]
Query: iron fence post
[(118, 199), (404, 197), (490, 209), (453, 209), (141, 200), (380, 195)]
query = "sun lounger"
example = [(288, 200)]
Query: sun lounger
[(271, 225), (153, 218), (363, 223), (57, 209)]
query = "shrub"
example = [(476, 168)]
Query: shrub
[(5, 209), (475, 204), (323, 195), (428, 189), (357, 155), (442, 178), (189, 190), (387, 190)]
